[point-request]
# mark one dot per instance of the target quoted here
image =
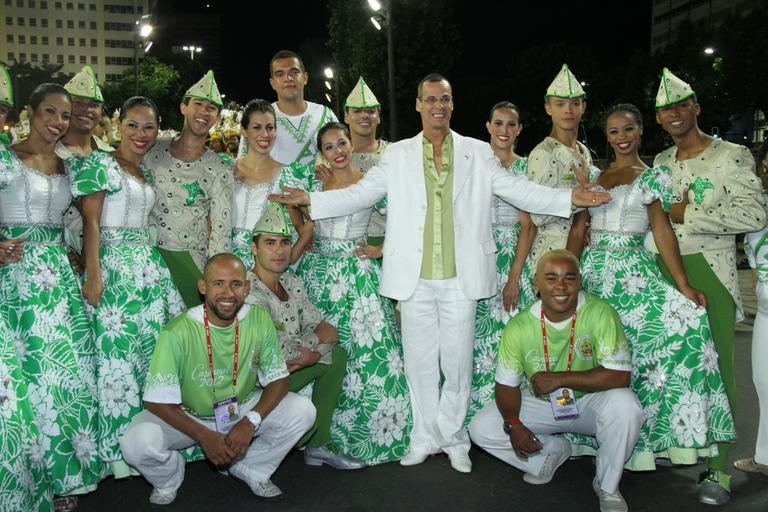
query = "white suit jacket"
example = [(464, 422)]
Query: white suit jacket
[(478, 176)]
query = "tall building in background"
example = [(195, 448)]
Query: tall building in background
[(668, 14), (96, 32)]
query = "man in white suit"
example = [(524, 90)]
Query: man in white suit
[(439, 256)]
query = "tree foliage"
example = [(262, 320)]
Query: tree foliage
[(425, 40)]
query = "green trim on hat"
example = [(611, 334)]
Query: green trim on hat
[(274, 221), (361, 96), (672, 89), (206, 89), (6, 87), (565, 85), (84, 85)]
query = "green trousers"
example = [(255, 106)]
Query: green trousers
[(721, 310), (328, 379), (185, 274)]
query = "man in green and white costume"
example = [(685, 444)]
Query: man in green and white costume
[(80, 141), (362, 113), (298, 120), (6, 104), (308, 342), (552, 161), (717, 197), (87, 109), (193, 211), (582, 337), (221, 358)]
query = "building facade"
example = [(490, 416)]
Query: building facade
[(72, 33)]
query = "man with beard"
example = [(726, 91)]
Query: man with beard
[(194, 187), (217, 379)]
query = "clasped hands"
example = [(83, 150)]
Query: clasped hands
[(223, 449)]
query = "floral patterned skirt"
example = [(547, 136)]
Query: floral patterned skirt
[(241, 247), (675, 371), (372, 420), (491, 318), (23, 485), (139, 299), (41, 304)]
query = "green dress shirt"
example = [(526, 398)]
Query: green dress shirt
[(439, 258)]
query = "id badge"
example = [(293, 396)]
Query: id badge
[(227, 414), (563, 403)]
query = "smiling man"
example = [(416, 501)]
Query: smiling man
[(716, 196), (194, 187), (217, 379), (87, 105), (568, 344), (439, 256), (298, 120)]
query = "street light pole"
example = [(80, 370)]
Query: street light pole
[(391, 75), (140, 34)]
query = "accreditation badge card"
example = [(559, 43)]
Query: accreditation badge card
[(227, 414), (563, 404)]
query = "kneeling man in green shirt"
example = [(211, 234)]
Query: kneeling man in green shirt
[(567, 345), (217, 379)]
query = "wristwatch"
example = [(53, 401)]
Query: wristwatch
[(509, 425), (254, 418)]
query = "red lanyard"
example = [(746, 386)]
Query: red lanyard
[(210, 351), (570, 342)]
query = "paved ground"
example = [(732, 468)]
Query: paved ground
[(434, 486)]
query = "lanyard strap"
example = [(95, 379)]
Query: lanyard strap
[(210, 351), (570, 341)]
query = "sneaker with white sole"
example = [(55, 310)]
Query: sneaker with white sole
[(265, 489), (609, 502), (162, 497), (560, 453)]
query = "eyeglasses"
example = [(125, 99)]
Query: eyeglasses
[(432, 100)]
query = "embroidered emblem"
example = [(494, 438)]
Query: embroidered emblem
[(699, 186), (193, 190), (584, 348)]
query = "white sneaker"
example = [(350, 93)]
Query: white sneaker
[(162, 497), (561, 450), (414, 457), (609, 502), (460, 461), (265, 489)]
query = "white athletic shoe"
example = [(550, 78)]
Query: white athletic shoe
[(560, 453)]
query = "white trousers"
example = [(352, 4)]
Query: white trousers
[(760, 371), (438, 324), (153, 447), (614, 417)]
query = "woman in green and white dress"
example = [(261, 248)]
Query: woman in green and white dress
[(257, 175), (675, 365), (41, 304), (372, 420), (513, 232), (127, 281)]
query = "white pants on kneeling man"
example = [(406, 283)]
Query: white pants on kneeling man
[(614, 417), (154, 447)]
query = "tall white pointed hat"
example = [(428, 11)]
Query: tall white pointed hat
[(565, 85), (6, 87), (672, 89), (274, 221), (84, 85), (361, 96), (206, 89)]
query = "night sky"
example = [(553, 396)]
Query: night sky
[(490, 33)]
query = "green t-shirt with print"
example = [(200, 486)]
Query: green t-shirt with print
[(598, 341), (180, 373)]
